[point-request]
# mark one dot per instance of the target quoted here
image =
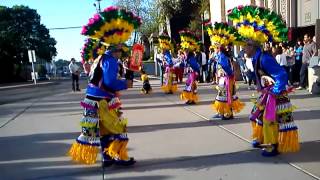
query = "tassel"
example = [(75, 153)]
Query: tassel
[(169, 88), (85, 154), (288, 141), (221, 107), (189, 96), (118, 150), (237, 106), (123, 153), (257, 132)]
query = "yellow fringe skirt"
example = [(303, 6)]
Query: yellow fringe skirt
[(169, 88), (224, 108), (189, 96), (118, 150), (83, 153)]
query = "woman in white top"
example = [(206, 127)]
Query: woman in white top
[(281, 57), (250, 72)]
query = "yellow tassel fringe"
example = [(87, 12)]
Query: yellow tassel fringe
[(224, 108), (288, 141), (84, 154), (170, 88), (118, 150), (189, 96), (257, 132)]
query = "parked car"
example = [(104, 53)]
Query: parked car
[(83, 74)]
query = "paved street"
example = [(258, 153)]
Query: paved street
[(169, 139)]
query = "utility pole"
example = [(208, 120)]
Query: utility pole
[(138, 13), (97, 6)]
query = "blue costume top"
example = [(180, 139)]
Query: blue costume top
[(224, 62), (193, 63), (168, 58), (108, 82), (299, 52), (270, 66)]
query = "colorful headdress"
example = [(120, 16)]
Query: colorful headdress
[(258, 24), (165, 41), (188, 40), (92, 49), (112, 26), (222, 34)]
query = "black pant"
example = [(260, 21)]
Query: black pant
[(75, 79), (296, 71), (304, 75), (251, 78)]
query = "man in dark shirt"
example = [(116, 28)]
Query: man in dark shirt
[(309, 50)]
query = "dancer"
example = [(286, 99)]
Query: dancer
[(227, 102), (146, 87), (170, 83), (102, 123), (189, 45), (272, 120)]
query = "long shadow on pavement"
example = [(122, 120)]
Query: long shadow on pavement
[(298, 116), (51, 170), (30, 161)]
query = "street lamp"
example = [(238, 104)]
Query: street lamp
[(95, 5)]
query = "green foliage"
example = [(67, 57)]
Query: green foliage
[(61, 63), (146, 10), (20, 30), (42, 71)]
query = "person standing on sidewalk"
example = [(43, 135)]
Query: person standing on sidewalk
[(298, 49), (250, 72), (75, 72), (309, 50), (226, 102), (102, 123), (272, 121)]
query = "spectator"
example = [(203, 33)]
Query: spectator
[(129, 75), (75, 71), (241, 61), (267, 48), (250, 72), (198, 56), (180, 66), (281, 57), (290, 64), (161, 67), (309, 50), (121, 69), (204, 64), (211, 67), (298, 61), (274, 51)]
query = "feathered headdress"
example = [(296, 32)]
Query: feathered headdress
[(188, 40), (91, 49), (165, 41), (222, 34), (258, 24), (112, 26)]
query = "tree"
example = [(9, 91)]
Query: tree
[(21, 30)]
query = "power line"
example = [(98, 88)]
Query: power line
[(62, 28)]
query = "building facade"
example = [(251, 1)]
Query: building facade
[(300, 15)]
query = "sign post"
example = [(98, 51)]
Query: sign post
[(32, 58)]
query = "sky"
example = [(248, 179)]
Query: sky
[(63, 13)]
